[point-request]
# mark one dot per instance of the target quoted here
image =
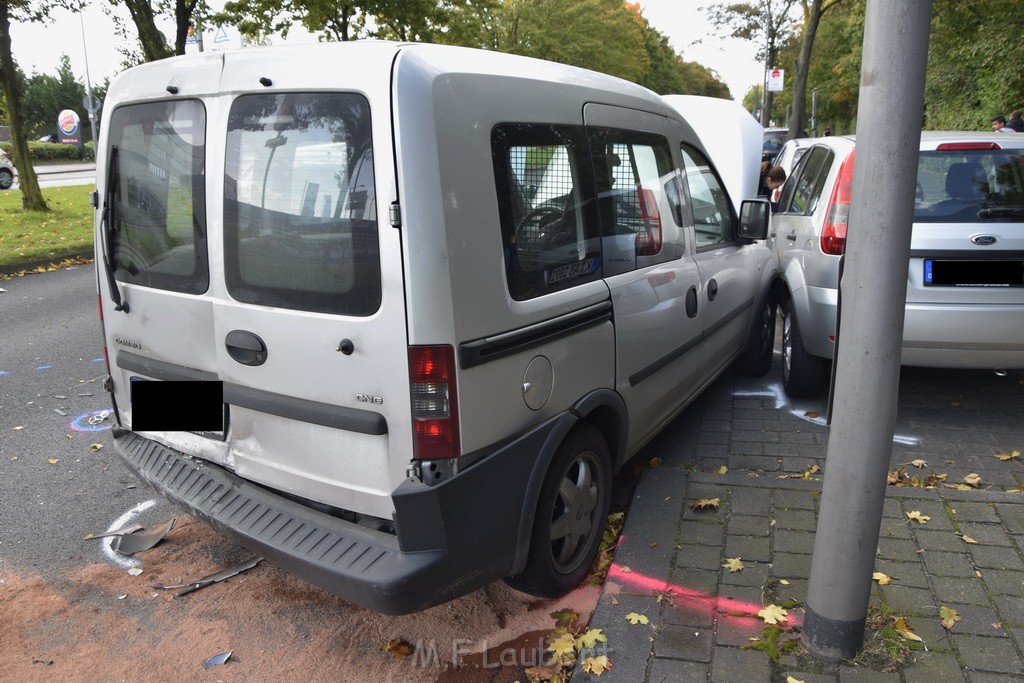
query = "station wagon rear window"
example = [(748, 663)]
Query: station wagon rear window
[(300, 212), (156, 200)]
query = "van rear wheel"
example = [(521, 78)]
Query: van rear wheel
[(571, 514)]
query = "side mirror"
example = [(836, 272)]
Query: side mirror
[(754, 217)]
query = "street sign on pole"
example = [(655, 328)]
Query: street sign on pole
[(776, 79), (91, 103)]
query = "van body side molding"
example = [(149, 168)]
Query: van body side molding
[(313, 412), (480, 351)]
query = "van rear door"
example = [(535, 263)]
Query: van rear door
[(299, 318)]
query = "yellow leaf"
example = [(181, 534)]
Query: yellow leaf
[(903, 628), (733, 564), (596, 665), (722, 470), (398, 647), (705, 503), (53, 461), (974, 479), (88, 537), (590, 639), (949, 617), (881, 578), (784, 582), (615, 601), (635, 619), (773, 614), (919, 463), (95, 446), (916, 516), (656, 462), (790, 679), (565, 618), (1008, 456), (967, 539), (563, 646), (812, 414), (625, 570)]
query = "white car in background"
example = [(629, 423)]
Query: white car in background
[(965, 277)]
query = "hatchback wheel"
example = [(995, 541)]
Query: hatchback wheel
[(571, 513), (6, 179), (803, 375)]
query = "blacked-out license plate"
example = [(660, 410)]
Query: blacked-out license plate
[(179, 406), (973, 273)]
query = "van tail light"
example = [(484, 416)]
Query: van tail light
[(434, 406), (103, 333), (648, 239), (833, 235)]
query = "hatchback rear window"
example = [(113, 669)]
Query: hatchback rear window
[(961, 186), (300, 212)]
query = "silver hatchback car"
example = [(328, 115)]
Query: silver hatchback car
[(965, 278)]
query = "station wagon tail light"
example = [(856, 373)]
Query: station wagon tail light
[(434, 407), (968, 147), (833, 235), (648, 239)]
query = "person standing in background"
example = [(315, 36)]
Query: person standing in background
[(1015, 121)]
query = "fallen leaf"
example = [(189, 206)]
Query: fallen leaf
[(1008, 456), (812, 414), (773, 614), (655, 462), (733, 564), (546, 672), (903, 628), (635, 619), (784, 582), (565, 618), (919, 463), (790, 679), (949, 617), (895, 476), (664, 597), (916, 516), (881, 578), (615, 601), (590, 639), (563, 646), (974, 479), (399, 648), (705, 503), (53, 461), (95, 446), (967, 539), (596, 665), (625, 570), (722, 470)]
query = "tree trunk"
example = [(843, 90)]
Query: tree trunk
[(31, 195), (183, 20), (803, 65), (153, 44)]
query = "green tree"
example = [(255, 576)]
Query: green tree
[(766, 23), (46, 96), (813, 11), (154, 45)]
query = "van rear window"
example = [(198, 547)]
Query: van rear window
[(156, 197), (300, 212)]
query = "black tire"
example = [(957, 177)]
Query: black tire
[(6, 179), (572, 511), (756, 360), (803, 375)]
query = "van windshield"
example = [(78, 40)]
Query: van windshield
[(959, 186), (300, 213)]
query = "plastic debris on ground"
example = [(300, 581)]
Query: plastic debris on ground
[(192, 586), (129, 544), (217, 659)]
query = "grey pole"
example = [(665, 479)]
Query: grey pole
[(873, 295), (814, 112)]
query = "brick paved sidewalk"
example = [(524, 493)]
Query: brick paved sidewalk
[(668, 566)]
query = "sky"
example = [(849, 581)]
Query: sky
[(38, 47)]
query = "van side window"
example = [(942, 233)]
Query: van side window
[(712, 213), (548, 230), (300, 212), (156, 195), (802, 192), (639, 201)]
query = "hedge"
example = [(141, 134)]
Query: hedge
[(52, 151)]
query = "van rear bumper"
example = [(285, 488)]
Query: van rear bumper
[(361, 565), (452, 538)]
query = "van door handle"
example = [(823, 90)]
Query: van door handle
[(691, 303), (712, 289), (246, 347)]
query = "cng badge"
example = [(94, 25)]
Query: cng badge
[(368, 398)]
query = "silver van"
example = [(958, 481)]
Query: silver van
[(393, 315)]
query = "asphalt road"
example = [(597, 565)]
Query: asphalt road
[(59, 175)]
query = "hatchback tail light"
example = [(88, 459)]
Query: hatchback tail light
[(648, 240), (434, 407), (837, 214)]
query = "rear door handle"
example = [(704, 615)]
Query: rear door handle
[(791, 238), (246, 347)]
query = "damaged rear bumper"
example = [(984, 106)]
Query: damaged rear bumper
[(362, 565)]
